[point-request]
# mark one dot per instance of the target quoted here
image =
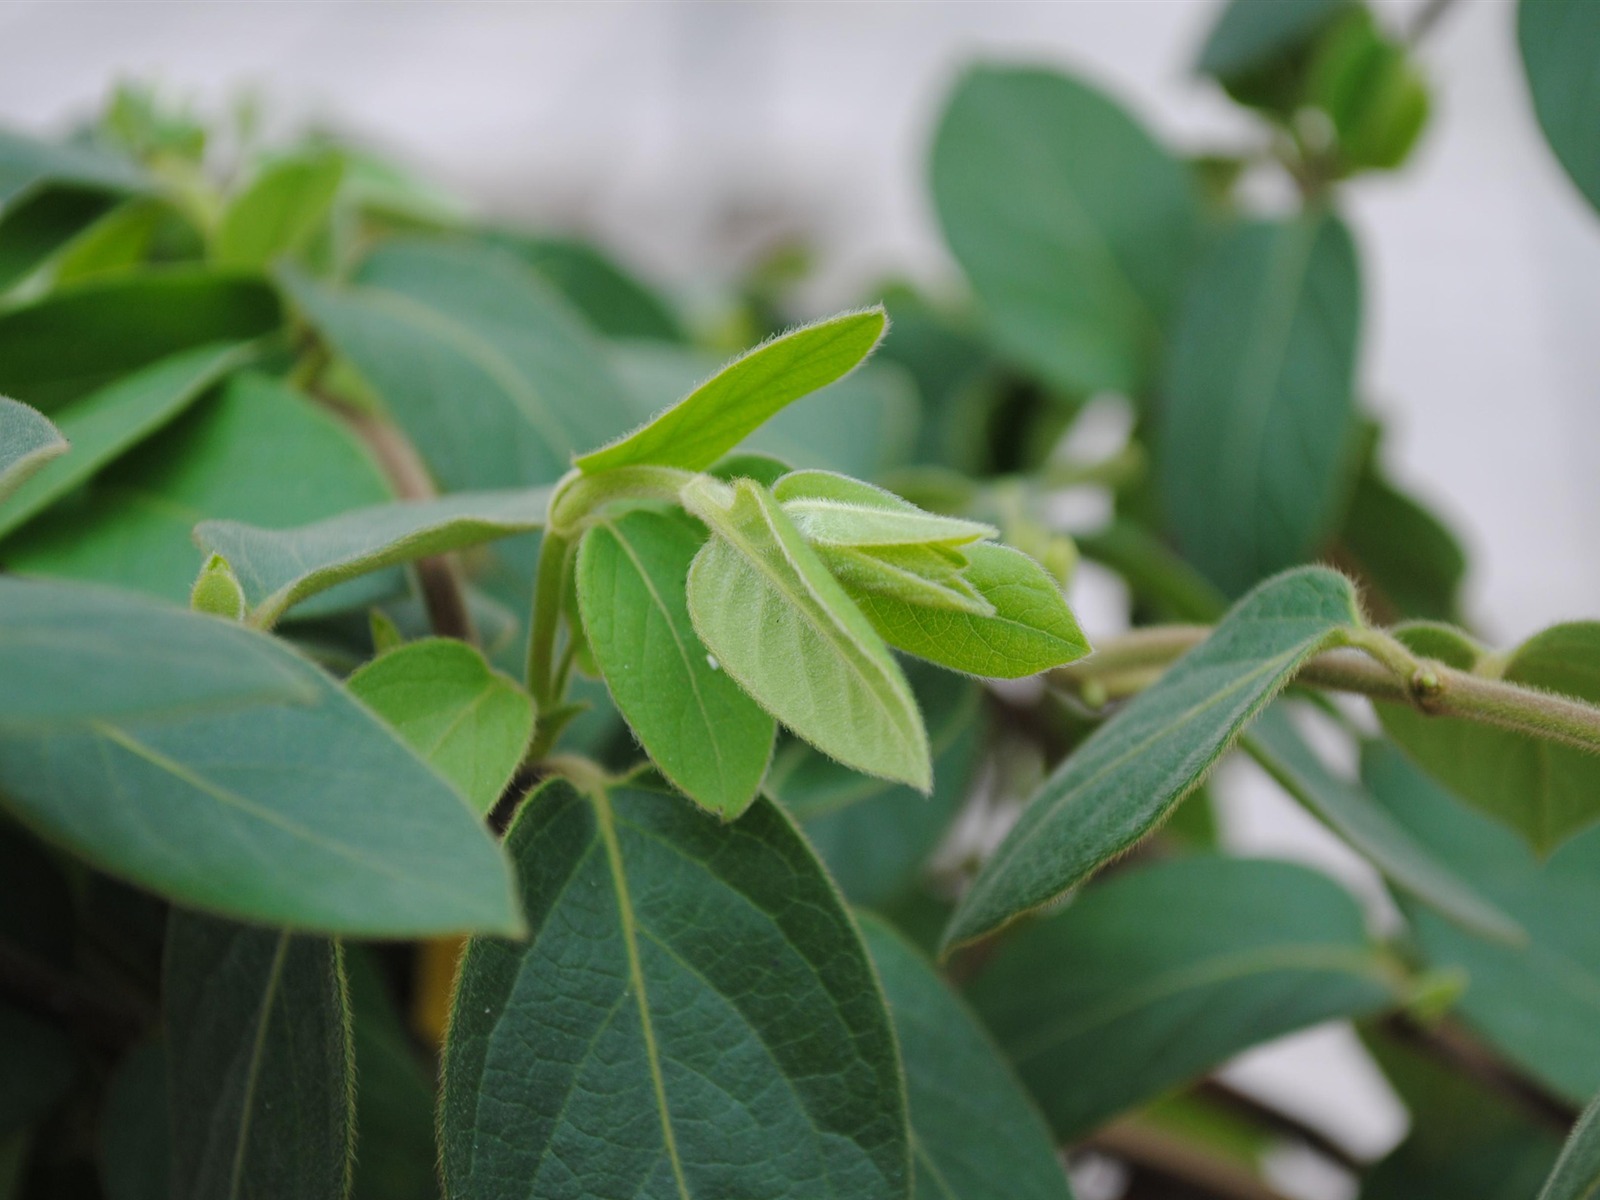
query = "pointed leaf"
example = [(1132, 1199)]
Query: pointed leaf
[(27, 442), (836, 510), (1160, 974), (915, 575), (283, 568), (280, 211), (1132, 771), (258, 1063), (779, 623), (1577, 1172), (740, 398), (694, 1016), (695, 722), (975, 1134), (1559, 41), (471, 723)]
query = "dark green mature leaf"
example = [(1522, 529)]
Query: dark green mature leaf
[(471, 723), (1538, 1003), (1250, 34), (694, 1017), (707, 736), (37, 1066), (1560, 40), (1160, 974), (975, 1135), (396, 1153), (1369, 829), (610, 299), (280, 210), (258, 452), (41, 225), (135, 1136), (1257, 416), (782, 627), (84, 337), (494, 378), (1545, 791), (1577, 1172), (283, 568), (306, 812), (875, 837), (1074, 226), (27, 162), (102, 425), (258, 1063), (745, 394), (28, 441), (1132, 771)]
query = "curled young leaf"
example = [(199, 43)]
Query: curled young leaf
[(835, 510)]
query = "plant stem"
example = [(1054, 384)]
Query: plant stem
[(549, 591), (1160, 1153)]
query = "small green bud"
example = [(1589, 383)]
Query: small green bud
[(216, 590), (386, 634), (1434, 993)]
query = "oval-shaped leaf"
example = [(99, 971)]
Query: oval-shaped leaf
[(258, 1063), (27, 442), (1258, 419), (1560, 40), (693, 1017), (279, 211), (778, 622), (707, 736), (1133, 770), (471, 723), (1161, 974), (1576, 1175), (1074, 226), (975, 1135), (740, 398)]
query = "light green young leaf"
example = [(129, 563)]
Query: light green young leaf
[(258, 1063), (1258, 418), (1577, 1172), (1545, 791), (707, 736), (1074, 226), (719, 1017), (280, 211), (780, 624), (471, 723), (102, 425), (137, 737), (739, 399), (1132, 771), (916, 575), (217, 591), (1559, 40), (27, 442), (975, 1134), (1030, 630), (1160, 974), (283, 568), (1367, 826), (836, 510)]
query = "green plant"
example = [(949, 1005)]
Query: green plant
[(343, 619)]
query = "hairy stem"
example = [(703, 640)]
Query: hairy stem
[(549, 592)]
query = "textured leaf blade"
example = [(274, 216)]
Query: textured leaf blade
[(258, 1063), (1120, 783), (916, 575), (28, 441), (283, 568), (1258, 415), (1559, 40), (1158, 975), (698, 726), (780, 624), (981, 1139), (740, 398), (471, 723), (836, 510), (717, 1015), (280, 210), (1576, 1175)]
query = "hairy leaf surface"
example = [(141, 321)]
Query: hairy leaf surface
[(28, 441), (836, 510), (1577, 1172)]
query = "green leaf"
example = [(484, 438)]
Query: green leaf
[(1351, 813), (37, 1068), (1559, 41), (694, 1016), (836, 510), (975, 1135), (1174, 589), (876, 837), (135, 1137), (707, 736), (280, 210), (1160, 974), (397, 1155), (783, 628), (1075, 227), (1577, 1172), (41, 225), (914, 575), (102, 425), (283, 568), (1370, 90), (471, 723), (494, 379), (1538, 1003), (1132, 771), (1030, 630), (740, 398), (28, 442), (168, 772), (27, 162), (1251, 33), (257, 451), (611, 299), (84, 337), (217, 591), (1258, 417), (258, 1063), (1545, 791)]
